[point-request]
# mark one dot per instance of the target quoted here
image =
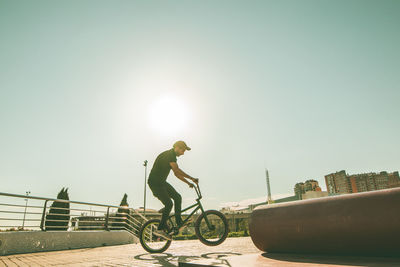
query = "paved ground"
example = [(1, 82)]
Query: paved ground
[(134, 255), (234, 252), (293, 260)]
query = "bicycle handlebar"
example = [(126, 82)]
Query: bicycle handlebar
[(197, 188)]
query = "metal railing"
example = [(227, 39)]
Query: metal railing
[(47, 214)]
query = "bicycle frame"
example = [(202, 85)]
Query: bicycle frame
[(197, 205)]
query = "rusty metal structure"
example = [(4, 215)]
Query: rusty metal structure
[(353, 224)]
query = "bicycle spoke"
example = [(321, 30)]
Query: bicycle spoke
[(212, 228), (152, 239)]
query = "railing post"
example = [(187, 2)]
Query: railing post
[(106, 225), (43, 216)]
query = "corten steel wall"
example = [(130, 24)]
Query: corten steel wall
[(354, 224)]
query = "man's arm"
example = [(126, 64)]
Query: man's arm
[(182, 175)]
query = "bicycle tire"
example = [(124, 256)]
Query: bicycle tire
[(145, 244), (222, 231)]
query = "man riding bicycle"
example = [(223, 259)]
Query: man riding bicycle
[(164, 191)]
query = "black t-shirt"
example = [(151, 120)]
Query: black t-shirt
[(161, 167)]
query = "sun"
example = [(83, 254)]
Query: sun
[(168, 115)]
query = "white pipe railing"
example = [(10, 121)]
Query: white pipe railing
[(45, 217)]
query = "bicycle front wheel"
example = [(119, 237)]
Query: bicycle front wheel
[(211, 228), (151, 239)]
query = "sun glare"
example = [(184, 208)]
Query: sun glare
[(168, 115)]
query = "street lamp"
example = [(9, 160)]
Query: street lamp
[(26, 205), (145, 176)]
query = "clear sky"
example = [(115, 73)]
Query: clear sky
[(91, 89)]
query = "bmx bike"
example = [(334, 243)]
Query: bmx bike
[(211, 228)]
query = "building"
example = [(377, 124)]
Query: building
[(238, 216), (341, 183), (394, 180), (337, 183), (314, 194), (300, 189), (88, 223), (286, 199)]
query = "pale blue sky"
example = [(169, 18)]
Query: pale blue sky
[(304, 88)]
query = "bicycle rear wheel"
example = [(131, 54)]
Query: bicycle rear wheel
[(211, 228), (151, 239)]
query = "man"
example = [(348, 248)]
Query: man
[(163, 190)]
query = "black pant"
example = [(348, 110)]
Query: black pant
[(164, 192)]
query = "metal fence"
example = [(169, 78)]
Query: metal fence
[(29, 213)]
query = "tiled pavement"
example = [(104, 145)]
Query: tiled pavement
[(134, 255), (234, 252)]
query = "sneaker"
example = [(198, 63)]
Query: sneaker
[(162, 226), (164, 234)]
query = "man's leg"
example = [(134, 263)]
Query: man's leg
[(177, 201), (161, 192)]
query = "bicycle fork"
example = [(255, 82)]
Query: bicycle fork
[(209, 225)]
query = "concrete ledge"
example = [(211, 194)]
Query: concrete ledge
[(356, 224), (28, 242)]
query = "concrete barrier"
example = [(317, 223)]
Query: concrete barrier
[(354, 224), (27, 242)]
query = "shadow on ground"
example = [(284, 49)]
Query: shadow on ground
[(169, 260), (334, 260)]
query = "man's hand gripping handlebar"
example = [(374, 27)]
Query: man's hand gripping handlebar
[(194, 180)]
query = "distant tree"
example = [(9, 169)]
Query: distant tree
[(299, 190), (244, 226), (58, 217), (121, 222)]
